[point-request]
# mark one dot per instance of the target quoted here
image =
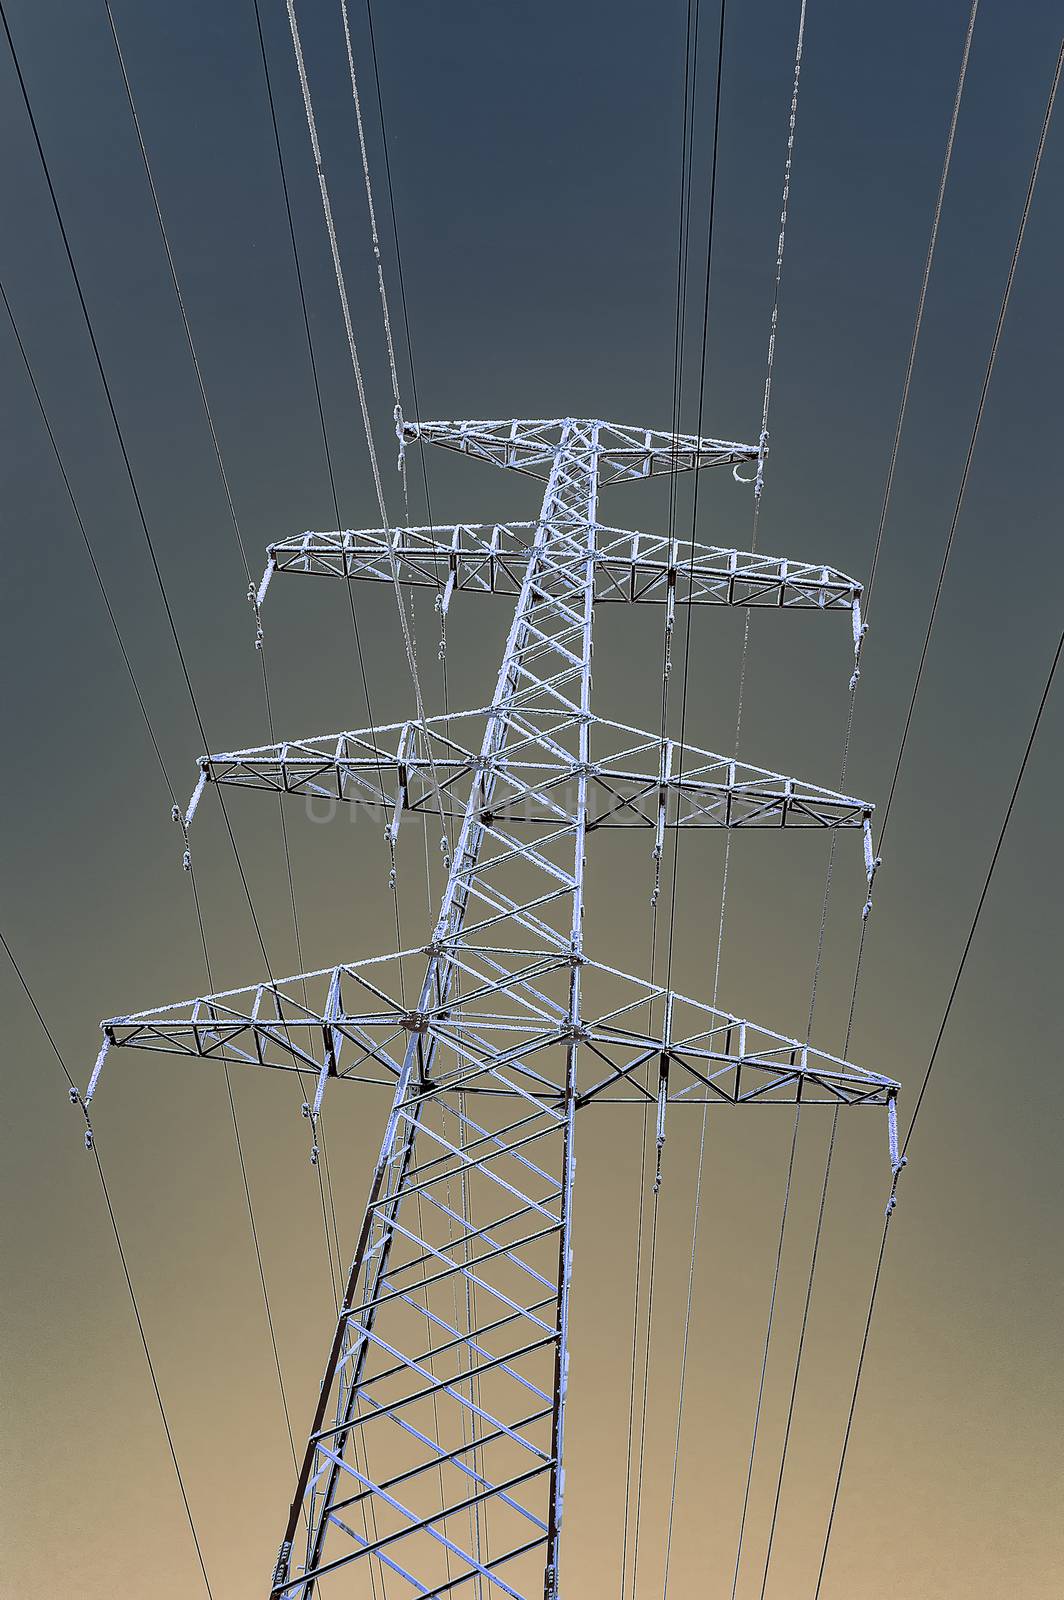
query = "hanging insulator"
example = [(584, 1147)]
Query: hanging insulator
[(663, 1100), (872, 864), (897, 1160), (859, 630), (271, 568)]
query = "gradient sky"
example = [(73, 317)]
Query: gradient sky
[(535, 152)]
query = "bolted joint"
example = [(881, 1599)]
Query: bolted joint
[(416, 1022)]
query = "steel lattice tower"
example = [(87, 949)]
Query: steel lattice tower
[(435, 1452)]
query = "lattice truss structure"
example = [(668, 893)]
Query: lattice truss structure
[(434, 1456)]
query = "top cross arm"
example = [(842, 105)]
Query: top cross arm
[(625, 453)]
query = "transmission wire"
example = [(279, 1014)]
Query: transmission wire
[(683, 236), (767, 1346), (93, 1146), (758, 487), (697, 1204), (282, 173), (174, 633), (921, 300), (409, 355), (363, 402), (986, 882), (888, 486), (963, 484), (224, 478)]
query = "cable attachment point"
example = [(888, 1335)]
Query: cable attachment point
[(656, 854), (76, 1100)]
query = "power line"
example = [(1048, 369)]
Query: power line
[(283, 174), (696, 1207), (995, 856), (920, 303), (234, 519), (767, 1346), (356, 368), (970, 453), (899, 427), (966, 470), (93, 1147), (986, 887), (170, 618), (401, 278), (682, 252), (759, 480), (97, 574)]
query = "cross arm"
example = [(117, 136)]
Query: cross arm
[(707, 1055), (625, 453), (630, 566), (635, 780), (346, 1021), (488, 556)]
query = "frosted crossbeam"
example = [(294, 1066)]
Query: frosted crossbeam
[(504, 1035), (637, 780), (623, 453), (629, 566)]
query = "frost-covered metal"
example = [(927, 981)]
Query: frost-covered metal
[(436, 1446)]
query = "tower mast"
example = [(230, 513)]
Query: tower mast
[(436, 1448)]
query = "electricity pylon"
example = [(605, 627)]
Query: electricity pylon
[(435, 1453)]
